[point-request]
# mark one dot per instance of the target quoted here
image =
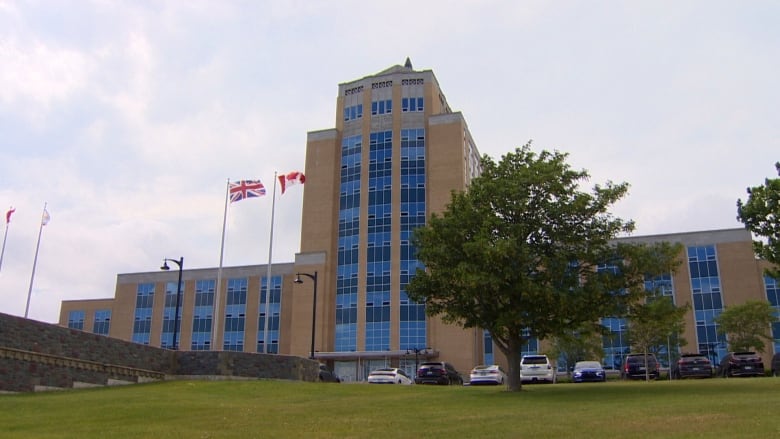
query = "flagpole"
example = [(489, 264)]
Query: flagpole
[(5, 236), (268, 276), (35, 261), (215, 317)]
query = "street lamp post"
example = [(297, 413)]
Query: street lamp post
[(165, 267), (417, 352), (298, 280)]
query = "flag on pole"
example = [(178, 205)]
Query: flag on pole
[(45, 217), (8, 214), (291, 178), (246, 189)]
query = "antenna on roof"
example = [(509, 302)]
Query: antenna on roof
[(408, 63)]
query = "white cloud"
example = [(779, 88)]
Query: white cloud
[(36, 76), (128, 117)]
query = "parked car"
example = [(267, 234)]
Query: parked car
[(389, 375), (535, 368), (741, 364), (588, 371), (641, 366), (776, 364), (692, 366), (327, 376), (483, 374), (439, 372)]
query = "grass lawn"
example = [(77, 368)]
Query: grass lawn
[(735, 407)]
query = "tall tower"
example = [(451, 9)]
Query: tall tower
[(394, 157)]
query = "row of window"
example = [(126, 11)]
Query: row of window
[(384, 106), (234, 317), (101, 323), (707, 305)]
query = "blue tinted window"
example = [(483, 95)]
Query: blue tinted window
[(76, 320), (235, 315), (412, 215), (270, 317), (102, 323), (707, 300), (347, 246), (142, 327), (202, 319), (170, 322)]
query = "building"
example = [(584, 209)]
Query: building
[(394, 156), (396, 153)]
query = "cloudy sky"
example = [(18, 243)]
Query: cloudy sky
[(129, 117)]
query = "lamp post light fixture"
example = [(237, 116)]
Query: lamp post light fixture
[(165, 267), (417, 352), (298, 280)]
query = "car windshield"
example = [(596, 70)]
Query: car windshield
[(535, 360), (640, 359), (587, 365)]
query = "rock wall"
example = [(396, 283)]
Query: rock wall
[(36, 355)]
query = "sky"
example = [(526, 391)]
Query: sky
[(126, 119)]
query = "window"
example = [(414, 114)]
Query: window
[(353, 112), (76, 320), (410, 105), (144, 300), (272, 316), (102, 322), (381, 107)]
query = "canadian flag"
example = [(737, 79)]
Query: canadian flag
[(291, 178)]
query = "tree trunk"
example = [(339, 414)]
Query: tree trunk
[(512, 351)]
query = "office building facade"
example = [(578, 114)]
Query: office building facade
[(396, 153)]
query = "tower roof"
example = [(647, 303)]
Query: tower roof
[(406, 68)]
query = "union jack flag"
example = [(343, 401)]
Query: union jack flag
[(246, 189)]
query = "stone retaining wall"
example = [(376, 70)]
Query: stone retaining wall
[(42, 355)]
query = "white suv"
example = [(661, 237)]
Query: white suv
[(535, 368)]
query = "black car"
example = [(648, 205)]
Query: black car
[(640, 366), (438, 372), (741, 364), (327, 376), (776, 364), (692, 366)]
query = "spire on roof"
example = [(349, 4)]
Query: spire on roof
[(408, 63)]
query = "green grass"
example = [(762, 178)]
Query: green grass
[(739, 408)]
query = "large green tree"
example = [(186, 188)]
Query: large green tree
[(521, 248), (761, 215), (747, 325), (655, 323)]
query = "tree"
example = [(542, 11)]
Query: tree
[(521, 249), (655, 323), (761, 215), (581, 344), (747, 325)]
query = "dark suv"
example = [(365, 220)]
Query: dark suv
[(692, 366), (741, 364), (438, 372), (639, 366), (327, 376)]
